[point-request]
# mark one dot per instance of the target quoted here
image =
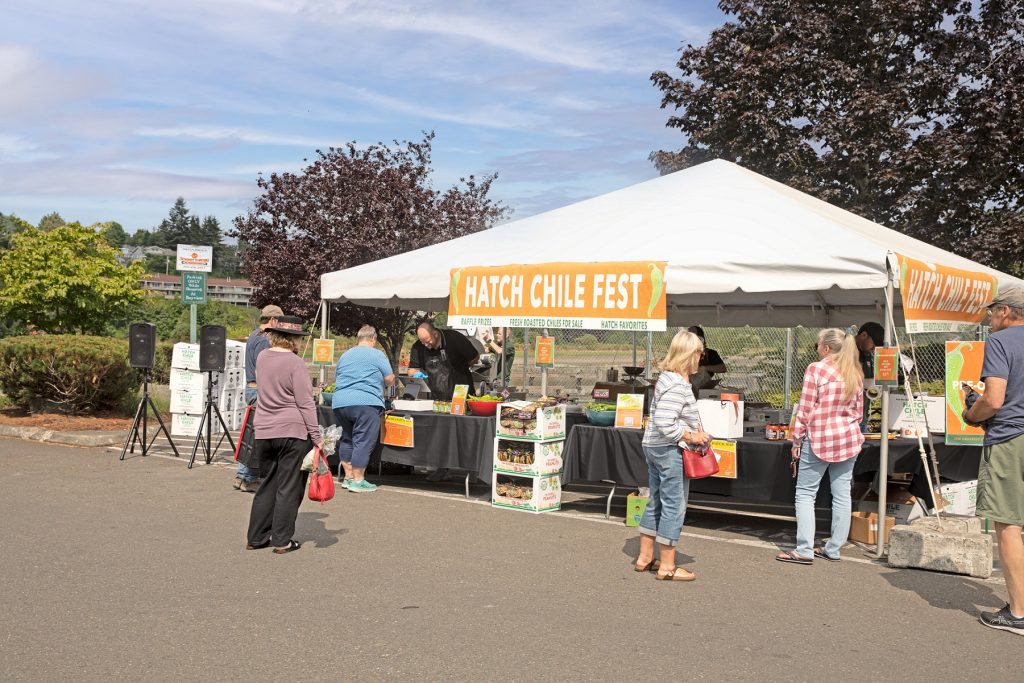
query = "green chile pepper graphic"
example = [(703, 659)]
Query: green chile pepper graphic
[(456, 276), (954, 394), (657, 284)]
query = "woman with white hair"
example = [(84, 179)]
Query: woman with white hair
[(359, 380), (827, 438)]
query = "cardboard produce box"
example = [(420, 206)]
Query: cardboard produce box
[(522, 420), (635, 507), (185, 356), (542, 494), (960, 498), (188, 402), (527, 457), (721, 419), (864, 527), (188, 425)]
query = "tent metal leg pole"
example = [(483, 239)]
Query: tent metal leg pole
[(788, 384), (323, 335), (544, 372), (650, 356), (883, 455)]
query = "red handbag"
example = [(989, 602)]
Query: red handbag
[(321, 486), (698, 464)]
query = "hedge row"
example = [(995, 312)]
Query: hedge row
[(67, 373)]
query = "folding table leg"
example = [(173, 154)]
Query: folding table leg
[(467, 484), (611, 494)]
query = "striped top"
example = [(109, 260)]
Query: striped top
[(673, 411)]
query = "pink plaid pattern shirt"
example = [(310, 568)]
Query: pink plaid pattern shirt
[(832, 422)]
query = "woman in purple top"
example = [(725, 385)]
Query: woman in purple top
[(286, 428)]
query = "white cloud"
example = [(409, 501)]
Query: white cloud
[(239, 135)]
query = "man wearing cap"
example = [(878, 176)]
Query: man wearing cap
[(246, 479), (1000, 410)]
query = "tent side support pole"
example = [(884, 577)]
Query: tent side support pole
[(883, 454), (788, 384), (648, 361), (324, 308), (544, 372), (526, 358)]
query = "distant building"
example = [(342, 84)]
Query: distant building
[(237, 292), (130, 255)]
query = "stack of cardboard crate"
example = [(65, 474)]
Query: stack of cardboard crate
[(189, 389)]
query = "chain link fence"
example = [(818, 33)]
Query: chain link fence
[(756, 357)]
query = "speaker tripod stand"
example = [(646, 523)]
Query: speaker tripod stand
[(211, 410), (142, 417)]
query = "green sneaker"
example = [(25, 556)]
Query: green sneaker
[(361, 486), (345, 483)]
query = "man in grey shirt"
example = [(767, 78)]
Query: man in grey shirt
[(246, 479), (1000, 410)]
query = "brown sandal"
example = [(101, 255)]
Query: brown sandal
[(651, 566), (676, 574)]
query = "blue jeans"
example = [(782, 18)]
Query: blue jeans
[(243, 472), (666, 508), (840, 474), (360, 427)]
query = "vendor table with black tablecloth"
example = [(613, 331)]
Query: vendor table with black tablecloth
[(441, 441), (594, 454)]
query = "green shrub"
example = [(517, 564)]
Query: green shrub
[(162, 366), (67, 373)]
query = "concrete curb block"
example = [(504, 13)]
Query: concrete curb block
[(86, 439)]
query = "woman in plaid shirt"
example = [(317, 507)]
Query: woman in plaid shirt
[(827, 437)]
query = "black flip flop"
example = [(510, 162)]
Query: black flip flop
[(292, 545), (788, 556), (257, 546), (820, 552)]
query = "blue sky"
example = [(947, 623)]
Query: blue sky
[(110, 110)]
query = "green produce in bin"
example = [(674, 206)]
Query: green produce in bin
[(601, 414)]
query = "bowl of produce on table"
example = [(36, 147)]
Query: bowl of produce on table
[(328, 394), (483, 406), (601, 414)]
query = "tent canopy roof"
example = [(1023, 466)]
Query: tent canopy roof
[(741, 249)]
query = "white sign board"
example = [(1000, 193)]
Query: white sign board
[(195, 258)]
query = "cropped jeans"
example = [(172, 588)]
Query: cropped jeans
[(670, 488), (812, 470)]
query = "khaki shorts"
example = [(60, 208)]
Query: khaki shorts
[(1001, 482)]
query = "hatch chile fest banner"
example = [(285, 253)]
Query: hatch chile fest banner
[(938, 298), (593, 296)]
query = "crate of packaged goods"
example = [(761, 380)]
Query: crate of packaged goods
[(188, 425), (529, 494), (525, 457), (235, 354), (531, 420), (191, 380), (188, 402), (185, 356)]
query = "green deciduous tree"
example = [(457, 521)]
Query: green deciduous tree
[(50, 221), (907, 113), (67, 280)]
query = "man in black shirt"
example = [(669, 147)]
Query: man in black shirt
[(710, 363), (445, 356), (868, 337)]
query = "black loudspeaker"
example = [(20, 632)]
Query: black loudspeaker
[(213, 349), (141, 345)]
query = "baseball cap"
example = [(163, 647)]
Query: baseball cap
[(1012, 296), (271, 311)]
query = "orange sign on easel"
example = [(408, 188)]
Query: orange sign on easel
[(323, 352), (544, 356), (397, 431), (725, 453), (629, 411)]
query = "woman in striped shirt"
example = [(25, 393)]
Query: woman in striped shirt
[(674, 422), (827, 437)]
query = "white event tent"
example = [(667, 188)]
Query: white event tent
[(741, 250)]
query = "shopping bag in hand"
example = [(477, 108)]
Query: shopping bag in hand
[(321, 486)]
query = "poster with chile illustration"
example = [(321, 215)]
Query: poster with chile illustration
[(963, 370)]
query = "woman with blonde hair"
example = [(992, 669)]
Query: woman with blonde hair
[(674, 422), (827, 437)]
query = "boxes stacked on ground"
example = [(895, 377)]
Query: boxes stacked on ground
[(529, 436), (190, 387)]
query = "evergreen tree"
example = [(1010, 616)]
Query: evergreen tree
[(50, 221)]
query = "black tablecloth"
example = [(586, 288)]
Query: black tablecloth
[(605, 453), (463, 442)]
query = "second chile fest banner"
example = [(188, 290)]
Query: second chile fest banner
[(622, 295), (939, 298)]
